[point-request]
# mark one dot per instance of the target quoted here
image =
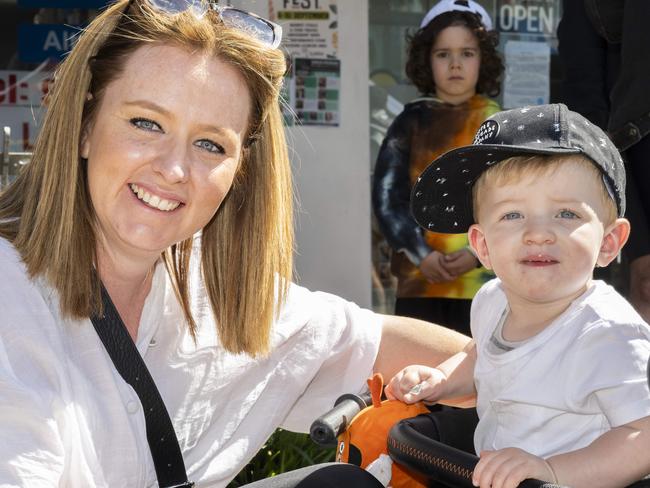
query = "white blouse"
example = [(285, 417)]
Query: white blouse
[(67, 418)]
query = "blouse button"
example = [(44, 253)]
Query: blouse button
[(132, 406)]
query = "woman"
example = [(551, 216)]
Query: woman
[(162, 125)]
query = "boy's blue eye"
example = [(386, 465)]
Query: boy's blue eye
[(567, 214), (145, 124), (210, 146), (511, 216)]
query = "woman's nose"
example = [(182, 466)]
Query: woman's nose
[(173, 165)]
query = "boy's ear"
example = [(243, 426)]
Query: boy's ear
[(477, 242), (614, 239)]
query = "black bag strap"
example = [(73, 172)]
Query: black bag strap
[(166, 453)]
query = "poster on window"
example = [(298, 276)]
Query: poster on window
[(309, 27), (316, 90), (527, 80)]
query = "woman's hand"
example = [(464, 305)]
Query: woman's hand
[(416, 383), (434, 269), (506, 468)]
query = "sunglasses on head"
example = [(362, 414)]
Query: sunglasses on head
[(257, 27)]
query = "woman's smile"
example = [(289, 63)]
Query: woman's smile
[(152, 200)]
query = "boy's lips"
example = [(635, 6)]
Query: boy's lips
[(539, 260)]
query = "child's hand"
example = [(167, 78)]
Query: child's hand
[(459, 262), (416, 383), (433, 268), (506, 468)]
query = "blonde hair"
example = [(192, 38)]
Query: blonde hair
[(247, 247), (514, 169)]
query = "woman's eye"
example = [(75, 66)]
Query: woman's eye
[(511, 216), (469, 54), (146, 124), (567, 214), (441, 55), (209, 146)]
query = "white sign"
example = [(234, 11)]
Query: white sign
[(527, 73), (21, 96), (24, 88), (24, 123), (528, 17), (309, 27)]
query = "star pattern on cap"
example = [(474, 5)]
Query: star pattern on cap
[(549, 129)]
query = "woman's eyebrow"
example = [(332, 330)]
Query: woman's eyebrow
[(148, 104)]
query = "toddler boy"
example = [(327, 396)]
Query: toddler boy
[(558, 360)]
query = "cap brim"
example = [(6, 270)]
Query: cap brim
[(441, 199)]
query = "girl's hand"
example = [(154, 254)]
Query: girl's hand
[(434, 270), (416, 383), (506, 468), (459, 262)]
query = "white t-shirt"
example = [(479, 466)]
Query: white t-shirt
[(581, 376), (67, 418)]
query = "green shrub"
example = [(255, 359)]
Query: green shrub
[(283, 452)]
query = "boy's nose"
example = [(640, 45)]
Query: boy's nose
[(538, 232)]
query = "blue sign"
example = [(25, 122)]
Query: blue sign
[(63, 3), (38, 42)]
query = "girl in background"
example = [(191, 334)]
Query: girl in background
[(452, 60)]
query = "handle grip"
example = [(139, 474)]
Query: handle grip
[(326, 428)]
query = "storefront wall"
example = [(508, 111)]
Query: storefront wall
[(333, 154)]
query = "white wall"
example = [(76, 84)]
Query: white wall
[(332, 174)]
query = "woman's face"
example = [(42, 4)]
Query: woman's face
[(164, 147)]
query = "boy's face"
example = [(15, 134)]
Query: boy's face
[(544, 234)]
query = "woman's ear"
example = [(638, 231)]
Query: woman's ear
[(84, 144), (614, 239), (477, 242)]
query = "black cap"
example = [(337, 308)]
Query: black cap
[(441, 200)]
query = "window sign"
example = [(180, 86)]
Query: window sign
[(21, 96), (529, 17), (40, 42)]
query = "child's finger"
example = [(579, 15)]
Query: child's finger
[(418, 392), (485, 468)]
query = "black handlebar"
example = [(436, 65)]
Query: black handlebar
[(437, 461), (326, 428)]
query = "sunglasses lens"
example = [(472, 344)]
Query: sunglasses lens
[(178, 6), (253, 26)]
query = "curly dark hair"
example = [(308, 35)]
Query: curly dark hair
[(418, 64)]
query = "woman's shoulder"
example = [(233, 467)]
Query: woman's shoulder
[(20, 295), (319, 315), (11, 264)]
